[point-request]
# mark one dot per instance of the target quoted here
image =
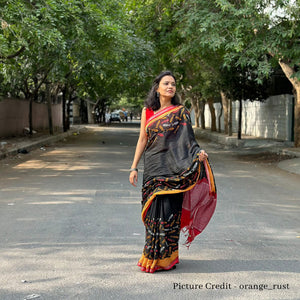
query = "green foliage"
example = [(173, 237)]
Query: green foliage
[(113, 49), (155, 22), (244, 32), (85, 45), (226, 41)]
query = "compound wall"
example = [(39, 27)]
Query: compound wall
[(14, 117), (271, 119)]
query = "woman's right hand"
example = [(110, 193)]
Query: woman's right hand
[(203, 155), (133, 178)]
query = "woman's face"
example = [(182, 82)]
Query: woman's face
[(167, 87)]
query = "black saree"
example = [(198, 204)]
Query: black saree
[(178, 190)]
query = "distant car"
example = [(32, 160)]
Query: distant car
[(115, 117)]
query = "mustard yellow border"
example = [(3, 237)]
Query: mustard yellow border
[(212, 189), (157, 263), (211, 177), (150, 200)]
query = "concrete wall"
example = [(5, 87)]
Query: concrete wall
[(270, 119), (14, 117)]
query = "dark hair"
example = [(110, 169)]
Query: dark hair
[(152, 100)]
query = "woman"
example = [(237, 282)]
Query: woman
[(178, 185)]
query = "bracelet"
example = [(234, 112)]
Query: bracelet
[(133, 169)]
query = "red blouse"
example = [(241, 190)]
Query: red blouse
[(149, 113)]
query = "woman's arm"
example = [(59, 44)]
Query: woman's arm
[(140, 147)]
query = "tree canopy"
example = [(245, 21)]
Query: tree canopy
[(113, 49)]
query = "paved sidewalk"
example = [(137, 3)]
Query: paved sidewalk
[(14, 146), (23, 145)]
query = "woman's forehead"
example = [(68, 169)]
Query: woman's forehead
[(168, 78)]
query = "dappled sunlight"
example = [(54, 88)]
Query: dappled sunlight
[(117, 197), (240, 172), (61, 153), (39, 164), (51, 197), (75, 174), (110, 152), (274, 234), (244, 176), (57, 154), (235, 174), (284, 206), (64, 193), (63, 165), (50, 202), (60, 166), (31, 164), (122, 202), (22, 189), (68, 197)]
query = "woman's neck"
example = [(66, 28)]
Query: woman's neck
[(165, 102)]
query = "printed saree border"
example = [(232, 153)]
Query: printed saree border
[(152, 265), (162, 113), (211, 185)]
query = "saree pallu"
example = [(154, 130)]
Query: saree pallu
[(178, 190)]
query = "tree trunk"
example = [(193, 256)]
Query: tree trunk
[(297, 117), (33, 97), (230, 118), (103, 109), (289, 72), (240, 120), (64, 97), (91, 119), (49, 104), (225, 110), (30, 115), (68, 111), (213, 114), (202, 114), (195, 104), (219, 119)]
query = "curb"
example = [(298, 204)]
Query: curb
[(274, 146), (32, 145)]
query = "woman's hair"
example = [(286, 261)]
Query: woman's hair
[(152, 100)]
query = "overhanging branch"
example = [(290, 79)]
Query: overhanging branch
[(13, 55)]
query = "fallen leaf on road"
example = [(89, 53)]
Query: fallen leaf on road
[(32, 296)]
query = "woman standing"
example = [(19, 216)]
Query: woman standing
[(178, 184)]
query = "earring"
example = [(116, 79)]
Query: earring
[(157, 95)]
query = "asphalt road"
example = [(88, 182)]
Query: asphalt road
[(70, 227)]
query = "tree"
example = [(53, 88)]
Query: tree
[(83, 48), (255, 34)]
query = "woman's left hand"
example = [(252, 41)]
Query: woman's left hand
[(203, 155), (133, 177)]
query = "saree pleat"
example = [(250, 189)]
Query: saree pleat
[(178, 190)]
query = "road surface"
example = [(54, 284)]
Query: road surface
[(71, 227)]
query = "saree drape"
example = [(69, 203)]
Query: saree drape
[(178, 190)]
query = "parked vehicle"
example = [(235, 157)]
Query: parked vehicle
[(115, 117)]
